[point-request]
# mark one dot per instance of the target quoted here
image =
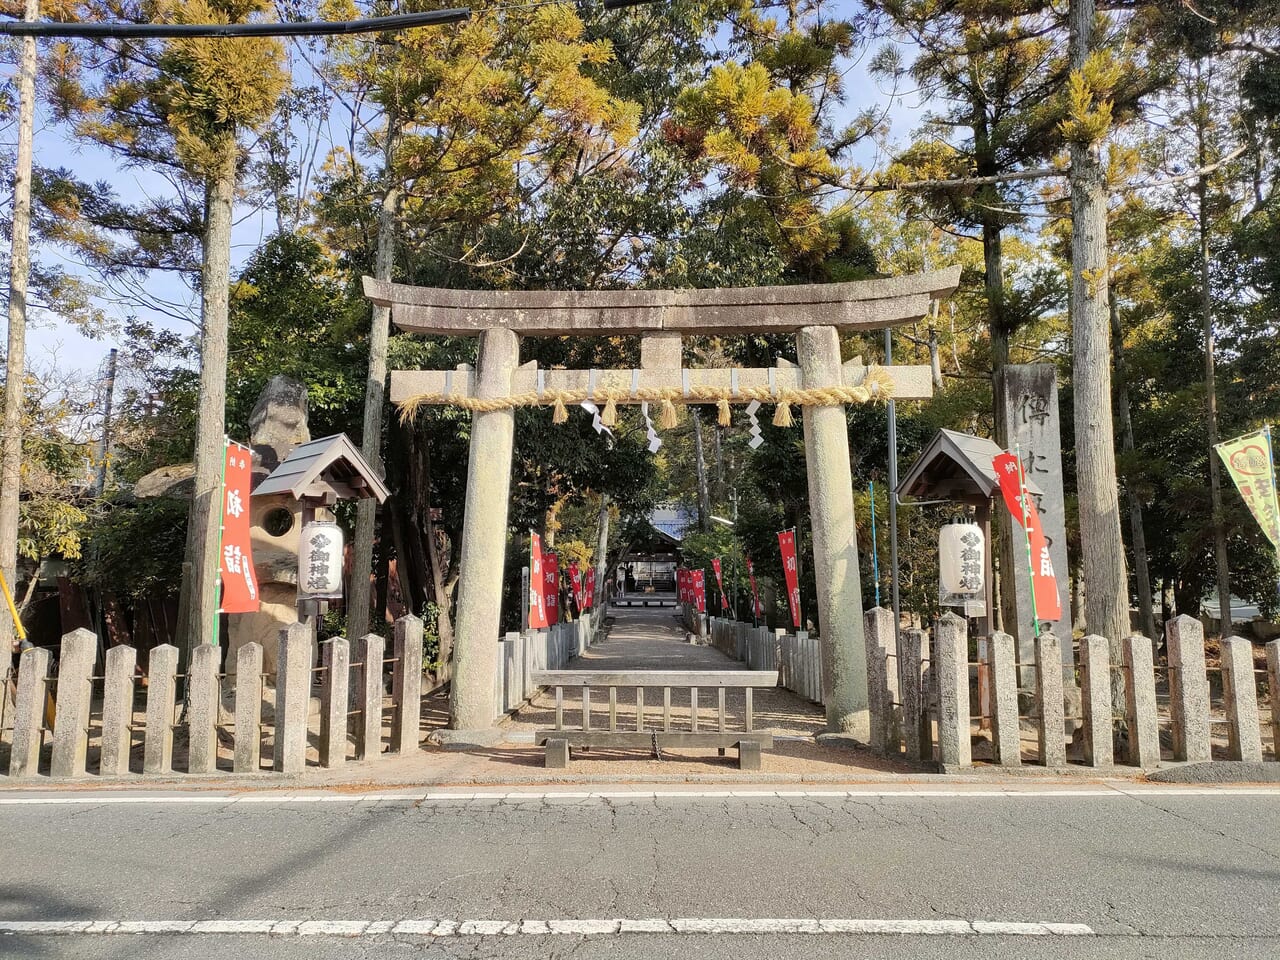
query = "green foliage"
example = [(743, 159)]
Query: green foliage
[(291, 314), (135, 548)]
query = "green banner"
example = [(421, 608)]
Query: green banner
[(1250, 464)]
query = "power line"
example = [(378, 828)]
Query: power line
[(301, 28)]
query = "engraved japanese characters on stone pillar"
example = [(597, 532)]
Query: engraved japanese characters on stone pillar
[(1029, 393)]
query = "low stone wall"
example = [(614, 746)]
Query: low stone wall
[(1169, 712), (797, 657), (550, 649), (223, 726), (1180, 709)]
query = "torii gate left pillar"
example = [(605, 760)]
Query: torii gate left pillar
[(816, 313), (484, 539)]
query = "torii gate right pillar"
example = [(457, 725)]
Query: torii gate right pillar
[(835, 543)]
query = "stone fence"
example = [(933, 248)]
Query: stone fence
[(924, 697), (549, 649), (99, 722), (1178, 710), (797, 657)]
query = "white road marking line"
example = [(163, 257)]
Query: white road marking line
[(678, 926), (923, 792)]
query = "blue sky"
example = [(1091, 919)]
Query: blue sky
[(51, 342)]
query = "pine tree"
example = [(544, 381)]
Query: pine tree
[(179, 107)]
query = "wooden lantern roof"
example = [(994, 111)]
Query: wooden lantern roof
[(956, 466), (329, 469)]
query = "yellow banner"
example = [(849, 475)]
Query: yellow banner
[(1248, 460)]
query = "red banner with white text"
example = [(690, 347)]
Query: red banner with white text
[(724, 601), (790, 569), (239, 581), (700, 590), (537, 585), (591, 588), (551, 586), (575, 583), (1026, 513)]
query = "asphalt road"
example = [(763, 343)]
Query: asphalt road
[(1151, 873)]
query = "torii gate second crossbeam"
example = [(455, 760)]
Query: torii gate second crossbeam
[(821, 385)]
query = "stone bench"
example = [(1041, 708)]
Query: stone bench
[(700, 730)]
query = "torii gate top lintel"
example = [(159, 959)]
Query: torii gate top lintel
[(820, 382), (855, 305)]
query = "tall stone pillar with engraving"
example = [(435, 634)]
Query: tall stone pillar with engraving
[(1029, 393)]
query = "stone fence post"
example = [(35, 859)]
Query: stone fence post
[(1052, 733), (75, 688), (880, 635), (1188, 689), (202, 709), (157, 742), (1006, 733), (248, 758), (293, 699), (33, 685), (369, 730), (1140, 702), (406, 686), (117, 711), (916, 737), (1095, 683), (334, 702), (951, 664), (1240, 693), (1273, 686)]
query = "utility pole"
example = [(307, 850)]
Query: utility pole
[(375, 388), (15, 358)]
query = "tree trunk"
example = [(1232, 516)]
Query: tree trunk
[(436, 567), (718, 452), (375, 392), (1105, 580), (204, 527), (1142, 572), (602, 549), (15, 358), (704, 499), (1211, 388)]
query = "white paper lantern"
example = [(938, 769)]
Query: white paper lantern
[(962, 558), (320, 561)]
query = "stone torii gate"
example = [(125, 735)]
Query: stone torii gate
[(820, 384)]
